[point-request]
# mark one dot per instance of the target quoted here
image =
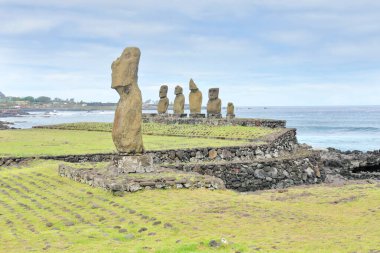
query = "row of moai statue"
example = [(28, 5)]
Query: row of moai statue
[(214, 104)]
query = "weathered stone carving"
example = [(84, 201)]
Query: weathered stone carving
[(195, 98), (230, 110), (126, 132), (214, 105), (179, 101), (163, 104)]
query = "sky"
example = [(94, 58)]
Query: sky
[(258, 52)]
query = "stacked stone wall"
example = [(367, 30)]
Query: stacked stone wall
[(259, 175), (173, 119)]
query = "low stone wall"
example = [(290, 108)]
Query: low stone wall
[(173, 119), (119, 182), (10, 161), (285, 141), (259, 175)]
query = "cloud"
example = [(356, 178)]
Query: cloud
[(291, 38), (258, 52), (23, 26)]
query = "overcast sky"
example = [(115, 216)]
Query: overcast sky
[(258, 52)]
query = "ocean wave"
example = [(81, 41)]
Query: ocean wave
[(339, 129)]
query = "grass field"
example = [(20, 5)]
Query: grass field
[(37, 142), (232, 132), (42, 212)]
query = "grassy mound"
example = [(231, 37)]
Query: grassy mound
[(227, 132), (40, 211), (37, 142)]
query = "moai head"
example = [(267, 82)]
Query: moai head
[(125, 68), (192, 86), (163, 91), (213, 93), (178, 90), (230, 104)]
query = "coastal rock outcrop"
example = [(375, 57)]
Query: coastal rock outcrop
[(351, 164), (126, 131)]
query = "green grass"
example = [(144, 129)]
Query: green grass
[(232, 132), (311, 219), (38, 142)]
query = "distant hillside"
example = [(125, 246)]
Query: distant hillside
[(2, 95)]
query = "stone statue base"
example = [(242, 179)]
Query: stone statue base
[(214, 116), (197, 115), (230, 116), (182, 115), (150, 114), (131, 164)]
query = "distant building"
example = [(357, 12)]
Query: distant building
[(2, 96)]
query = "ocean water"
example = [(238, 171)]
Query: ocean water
[(341, 127)]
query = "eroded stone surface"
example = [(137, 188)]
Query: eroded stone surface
[(214, 105), (132, 164), (195, 98), (179, 101), (163, 104), (126, 131)]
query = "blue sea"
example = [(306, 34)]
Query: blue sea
[(341, 127)]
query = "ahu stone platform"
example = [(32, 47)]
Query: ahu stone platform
[(118, 182), (174, 119)]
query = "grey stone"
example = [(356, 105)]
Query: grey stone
[(214, 244), (129, 236), (310, 172), (259, 173), (134, 164)]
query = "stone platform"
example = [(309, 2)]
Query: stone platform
[(199, 119), (119, 182)]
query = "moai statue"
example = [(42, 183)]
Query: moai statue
[(195, 99), (214, 105), (179, 101), (164, 101), (126, 131), (230, 111)]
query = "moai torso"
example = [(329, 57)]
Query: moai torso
[(126, 131), (230, 109), (179, 101), (195, 98), (163, 104), (214, 105)]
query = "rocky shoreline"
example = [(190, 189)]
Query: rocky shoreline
[(4, 125), (13, 113)]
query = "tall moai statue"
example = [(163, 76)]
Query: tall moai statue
[(214, 105), (230, 111), (163, 104), (179, 101), (126, 131), (195, 98)]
